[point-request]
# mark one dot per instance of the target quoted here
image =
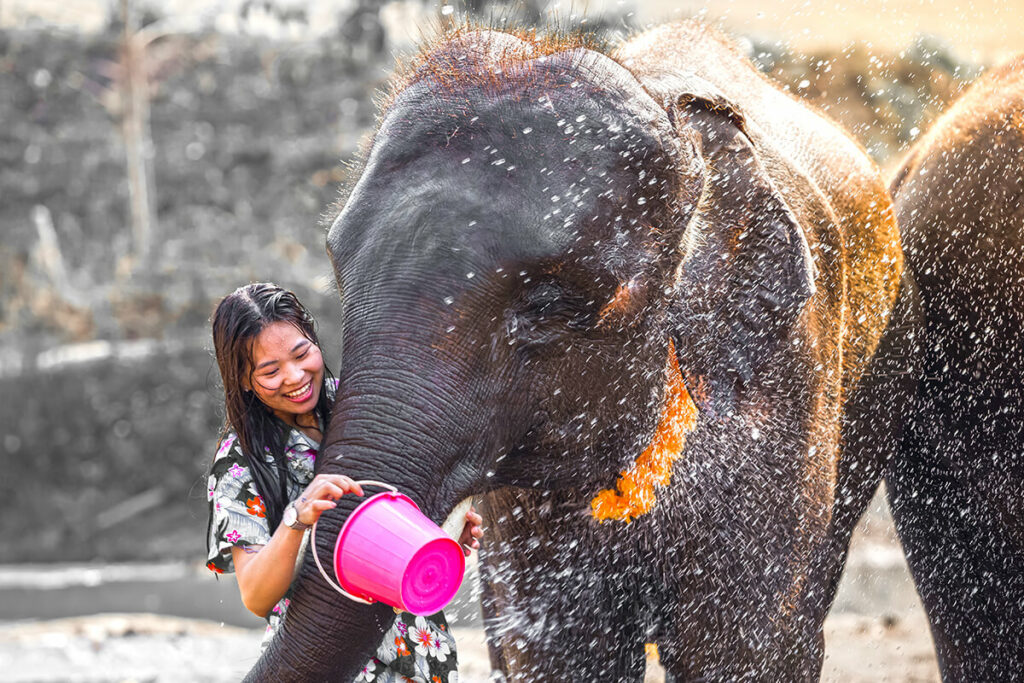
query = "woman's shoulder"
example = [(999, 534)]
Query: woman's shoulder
[(229, 454), (228, 446)]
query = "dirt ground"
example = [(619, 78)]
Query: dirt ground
[(146, 647), (876, 632)]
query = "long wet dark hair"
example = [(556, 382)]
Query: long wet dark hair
[(237, 321)]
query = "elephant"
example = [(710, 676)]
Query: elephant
[(651, 311), (956, 487)]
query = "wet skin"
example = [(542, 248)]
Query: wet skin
[(955, 489)]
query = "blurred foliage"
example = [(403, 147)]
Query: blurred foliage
[(248, 142), (251, 138), (885, 100)]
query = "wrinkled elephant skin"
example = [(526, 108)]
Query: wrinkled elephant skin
[(535, 226)]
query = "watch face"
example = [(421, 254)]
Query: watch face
[(290, 515)]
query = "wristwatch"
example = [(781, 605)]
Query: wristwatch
[(290, 518)]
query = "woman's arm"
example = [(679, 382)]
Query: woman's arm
[(265, 572)]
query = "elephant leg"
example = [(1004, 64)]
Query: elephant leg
[(876, 412), (736, 610), (966, 563), (740, 571), (550, 609), (955, 485), (731, 650)]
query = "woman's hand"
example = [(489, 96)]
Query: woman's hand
[(320, 495), (265, 572), (471, 531)]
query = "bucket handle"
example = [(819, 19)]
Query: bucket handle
[(316, 556)]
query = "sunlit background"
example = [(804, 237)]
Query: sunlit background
[(981, 30), (155, 155)]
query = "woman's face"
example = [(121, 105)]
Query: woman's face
[(287, 371)]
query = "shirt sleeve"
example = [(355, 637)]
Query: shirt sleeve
[(237, 513)]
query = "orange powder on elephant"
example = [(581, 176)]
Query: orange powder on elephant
[(634, 492)]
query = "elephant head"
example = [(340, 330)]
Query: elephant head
[(531, 234)]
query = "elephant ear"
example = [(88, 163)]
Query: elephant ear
[(746, 270)]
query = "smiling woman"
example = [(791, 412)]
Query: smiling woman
[(262, 490), (266, 346), (288, 376)]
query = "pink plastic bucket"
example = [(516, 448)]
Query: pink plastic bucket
[(388, 551)]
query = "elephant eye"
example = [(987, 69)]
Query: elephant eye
[(546, 312), (545, 299), (550, 302)]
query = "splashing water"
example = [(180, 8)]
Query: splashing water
[(634, 492)]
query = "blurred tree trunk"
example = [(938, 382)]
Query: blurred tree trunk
[(135, 123)]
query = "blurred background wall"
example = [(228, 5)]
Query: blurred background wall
[(156, 155)]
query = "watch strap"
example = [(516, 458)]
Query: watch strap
[(294, 524)]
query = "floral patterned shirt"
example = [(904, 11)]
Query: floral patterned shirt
[(416, 649)]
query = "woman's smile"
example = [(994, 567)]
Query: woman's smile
[(302, 394)]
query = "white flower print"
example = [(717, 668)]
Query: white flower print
[(211, 486), (429, 643), (368, 672)]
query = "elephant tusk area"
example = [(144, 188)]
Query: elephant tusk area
[(455, 520)]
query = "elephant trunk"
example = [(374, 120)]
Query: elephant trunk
[(391, 423)]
